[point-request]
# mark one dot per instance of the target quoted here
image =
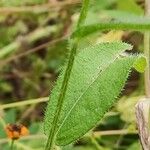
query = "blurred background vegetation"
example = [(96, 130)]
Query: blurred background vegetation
[(33, 48)]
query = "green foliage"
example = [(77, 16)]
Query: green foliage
[(132, 8), (90, 86), (83, 14), (73, 51), (33, 75), (140, 64), (139, 24), (94, 103), (92, 78)]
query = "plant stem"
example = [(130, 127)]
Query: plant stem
[(23, 103), (83, 14), (51, 138), (147, 53), (23, 146), (114, 132), (12, 144), (90, 29), (95, 143)]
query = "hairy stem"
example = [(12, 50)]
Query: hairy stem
[(51, 138)]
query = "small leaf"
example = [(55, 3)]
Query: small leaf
[(140, 64)]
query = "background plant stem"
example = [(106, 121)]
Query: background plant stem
[(147, 52), (51, 138), (95, 143), (25, 102), (12, 145)]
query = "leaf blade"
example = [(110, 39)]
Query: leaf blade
[(78, 122), (87, 65)]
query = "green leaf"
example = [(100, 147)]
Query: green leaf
[(136, 23), (95, 102), (132, 8), (88, 63), (140, 64), (94, 84)]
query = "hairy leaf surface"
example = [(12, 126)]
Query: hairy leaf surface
[(95, 101), (89, 64)]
